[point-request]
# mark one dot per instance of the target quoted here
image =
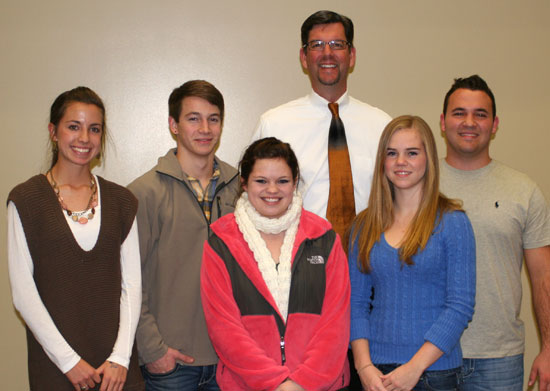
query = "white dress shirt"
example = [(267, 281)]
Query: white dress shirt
[(304, 123)]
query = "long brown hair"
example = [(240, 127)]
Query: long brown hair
[(369, 225)]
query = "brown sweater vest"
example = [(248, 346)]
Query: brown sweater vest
[(80, 289)]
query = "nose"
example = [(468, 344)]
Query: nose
[(272, 187), (83, 136), (204, 126), (469, 120), (327, 49), (401, 160)]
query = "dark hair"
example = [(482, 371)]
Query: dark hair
[(59, 106), (326, 17), (268, 148), (200, 89), (473, 83)]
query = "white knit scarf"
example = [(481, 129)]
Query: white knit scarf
[(250, 222)]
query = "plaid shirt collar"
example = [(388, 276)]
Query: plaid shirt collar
[(205, 197)]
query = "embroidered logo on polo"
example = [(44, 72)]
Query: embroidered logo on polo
[(316, 259)]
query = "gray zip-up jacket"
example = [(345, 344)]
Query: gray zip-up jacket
[(172, 231)]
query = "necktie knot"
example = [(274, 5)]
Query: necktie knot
[(333, 109)]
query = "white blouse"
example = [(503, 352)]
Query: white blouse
[(29, 304)]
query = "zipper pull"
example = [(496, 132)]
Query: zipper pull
[(283, 356)]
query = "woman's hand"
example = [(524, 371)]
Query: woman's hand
[(371, 378), (83, 376), (114, 376), (289, 385), (402, 378), (407, 375)]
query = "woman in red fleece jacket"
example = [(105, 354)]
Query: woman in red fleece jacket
[(275, 285)]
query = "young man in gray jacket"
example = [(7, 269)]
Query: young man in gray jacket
[(179, 198)]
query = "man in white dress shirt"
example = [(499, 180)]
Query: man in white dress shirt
[(327, 53)]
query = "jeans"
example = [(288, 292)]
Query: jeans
[(443, 380), (182, 378), (487, 374)]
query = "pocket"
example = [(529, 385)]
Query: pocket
[(164, 375), (447, 380)]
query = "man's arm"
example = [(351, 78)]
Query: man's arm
[(538, 266), (159, 357), (149, 341)]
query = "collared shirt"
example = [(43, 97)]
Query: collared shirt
[(205, 196), (304, 123)]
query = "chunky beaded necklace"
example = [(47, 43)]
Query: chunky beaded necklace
[(81, 217)]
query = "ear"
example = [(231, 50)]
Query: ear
[(442, 122), (303, 58), (173, 125), (52, 131), (496, 121), (352, 57), (243, 185)]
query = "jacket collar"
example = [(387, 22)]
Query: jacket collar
[(169, 165)]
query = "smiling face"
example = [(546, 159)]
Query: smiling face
[(469, 125), (78, 134), (328, 69), (198, 129), (405, 162), (270, 187)]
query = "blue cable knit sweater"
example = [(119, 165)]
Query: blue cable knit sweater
[(432, 300)]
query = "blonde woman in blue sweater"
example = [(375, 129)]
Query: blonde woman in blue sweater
[(412, 269)]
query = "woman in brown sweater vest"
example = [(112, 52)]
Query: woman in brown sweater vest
[(74, 260)]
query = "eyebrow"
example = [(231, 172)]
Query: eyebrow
[(197, 113), (407, 149), (267, 177), (477, 109), (75, 121)]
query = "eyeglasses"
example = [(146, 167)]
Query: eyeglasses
[(335, 44)]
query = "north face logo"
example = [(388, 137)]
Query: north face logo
[(316, 259)]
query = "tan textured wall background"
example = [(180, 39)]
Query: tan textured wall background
[(133, 53)]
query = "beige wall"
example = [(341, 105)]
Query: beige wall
[(133, 53)]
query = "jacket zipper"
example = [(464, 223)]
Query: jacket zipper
[(283, 356), (218, 189), (218, 204)]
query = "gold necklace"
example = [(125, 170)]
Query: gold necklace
[(78, 217)]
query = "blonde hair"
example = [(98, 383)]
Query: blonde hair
[(369, 225)]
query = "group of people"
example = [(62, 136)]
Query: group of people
[(245, 285)]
